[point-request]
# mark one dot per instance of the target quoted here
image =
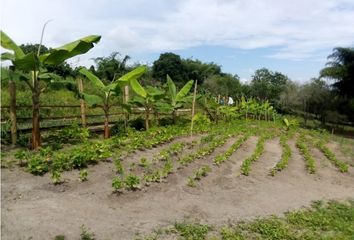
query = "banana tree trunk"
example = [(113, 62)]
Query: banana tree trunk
[(106, 123), (147, 116), (36, 136), (174, 116)]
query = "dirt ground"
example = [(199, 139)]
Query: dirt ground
[(33, 208)]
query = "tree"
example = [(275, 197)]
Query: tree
[(340, 67), (108, 68), (176, 99), (200, 71), (31, 68), (268, 85), (225, 85), (170, 64)]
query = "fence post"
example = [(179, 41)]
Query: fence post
[(193, 105), (13, 118), (82, 102)]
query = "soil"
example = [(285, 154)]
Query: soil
[(34, 208)]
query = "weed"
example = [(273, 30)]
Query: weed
[(192, 231)]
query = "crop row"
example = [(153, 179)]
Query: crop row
[(246, 164), (286, 154), (343, 167), (224, 156), (310, 161)]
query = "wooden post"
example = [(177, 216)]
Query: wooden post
[(193, 105), (13, 118), (82, 103), (125, 101)]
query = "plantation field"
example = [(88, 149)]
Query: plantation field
[(128, 187)]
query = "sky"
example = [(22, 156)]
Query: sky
[(293, 37)]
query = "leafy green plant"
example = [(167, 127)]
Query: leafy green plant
[(132, 182), (56, 177), (117, 184), (201, 172), (86, 234), (176, 99), (119, 166), (83, 175), (191, 182), (37, 165)]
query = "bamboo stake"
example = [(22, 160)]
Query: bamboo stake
[(82, 103), (193, 106), (13, 119)]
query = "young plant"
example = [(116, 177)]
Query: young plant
[(201, 172), (246, 165), (117, 184), (83, 175), (106, 92), (226, 155), (191, 182), (132, 182), (176, 100), (119, 166), (56, 177)]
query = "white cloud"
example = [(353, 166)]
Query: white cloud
[(296, 30)]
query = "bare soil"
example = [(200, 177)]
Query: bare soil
[(33, 208)]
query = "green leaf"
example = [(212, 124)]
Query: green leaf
[(134, 74), (8, 43), (28, 62), (60, 54), (137, 100), (171, 90), (50, 77), (91, 99), (126, 107), (93, 78), (138, 89), (7, 56), (184, 91)]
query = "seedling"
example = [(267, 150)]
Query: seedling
[(132, 182), (56, 177), (119, 166), (117, 184), (83, 175)]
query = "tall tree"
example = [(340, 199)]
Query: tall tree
[(170, 64), (340, 67), (111, 67)]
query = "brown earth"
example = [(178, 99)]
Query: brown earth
[(33, 208)]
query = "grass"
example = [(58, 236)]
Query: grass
[(331, 220)]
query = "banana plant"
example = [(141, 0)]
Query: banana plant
[(31, 68), (176, 100), (106, 93), (149, 99)]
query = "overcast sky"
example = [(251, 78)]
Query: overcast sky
[(293, 36)]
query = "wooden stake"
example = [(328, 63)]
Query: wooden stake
[(13, 118), (82, 103), (193, 105)]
